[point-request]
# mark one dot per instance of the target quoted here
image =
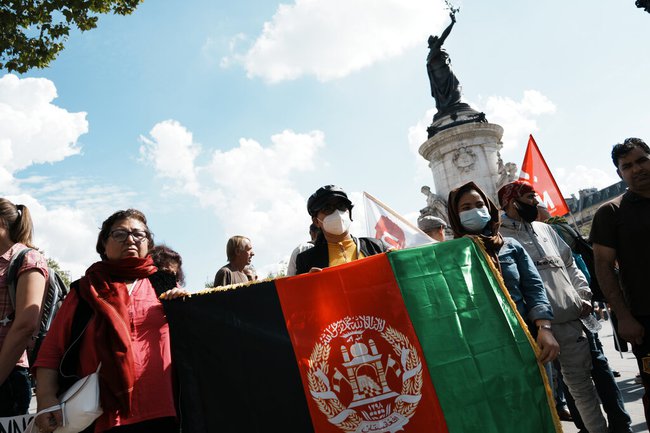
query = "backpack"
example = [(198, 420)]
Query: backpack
[(55, 291), (584, 248)]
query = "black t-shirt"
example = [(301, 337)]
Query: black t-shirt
[(624, 224)]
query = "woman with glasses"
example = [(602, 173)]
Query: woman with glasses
[(112, 317), (19, 314)]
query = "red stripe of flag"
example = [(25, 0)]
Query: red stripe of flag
[(360, 361)]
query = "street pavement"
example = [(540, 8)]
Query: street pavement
[(632, 391)]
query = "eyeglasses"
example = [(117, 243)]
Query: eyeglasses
[(331, 207), (120, 235)]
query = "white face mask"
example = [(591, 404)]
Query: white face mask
[(337, 223), (475, 220)]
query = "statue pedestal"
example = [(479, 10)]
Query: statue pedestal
[(464, 153)]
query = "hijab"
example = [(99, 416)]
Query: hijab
[(490, 236)]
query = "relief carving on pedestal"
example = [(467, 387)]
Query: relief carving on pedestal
[(464, 158)]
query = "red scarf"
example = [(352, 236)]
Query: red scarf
[(104, 289)]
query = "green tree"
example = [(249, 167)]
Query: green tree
[(65, 275), (273, 275), (32, 32)]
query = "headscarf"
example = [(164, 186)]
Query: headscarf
[(490, 237), (104, 288), (512, 191)]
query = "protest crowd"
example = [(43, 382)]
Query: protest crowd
[(113, 321)]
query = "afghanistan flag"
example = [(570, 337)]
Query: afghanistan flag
[(417, 340)]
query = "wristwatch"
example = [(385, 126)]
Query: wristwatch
[(540, 327)]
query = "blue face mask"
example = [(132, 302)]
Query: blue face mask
[(475, 220)]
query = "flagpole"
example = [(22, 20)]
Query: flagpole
[(366, 209), (397, 215), (575, 223)]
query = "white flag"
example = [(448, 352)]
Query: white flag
[(389, 226)]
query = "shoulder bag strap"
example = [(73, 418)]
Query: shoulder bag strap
[(12, 274), (70, 359)]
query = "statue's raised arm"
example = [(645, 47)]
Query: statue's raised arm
[(444, 34)]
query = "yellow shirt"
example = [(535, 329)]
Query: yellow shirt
[(343, 252)]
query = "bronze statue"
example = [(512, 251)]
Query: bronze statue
[(445, 87)]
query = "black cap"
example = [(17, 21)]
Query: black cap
[(318, 199)]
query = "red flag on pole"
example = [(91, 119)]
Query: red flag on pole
[(535, 171)]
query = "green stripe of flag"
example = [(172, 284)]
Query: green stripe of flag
[(480, 359)]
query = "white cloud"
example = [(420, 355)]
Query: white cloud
[(571, 180), (333, 38), (65, 234), (67, 215), (209, 48), (80, 193), (34, 130), (417, 134), (248, 187), (172, 152), (210, 52), (518, 118)]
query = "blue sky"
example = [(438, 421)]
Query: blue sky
[(219, 118)]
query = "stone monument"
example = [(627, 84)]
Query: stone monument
[(436, 204), (462, 145)]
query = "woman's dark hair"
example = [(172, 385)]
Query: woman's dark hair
[(622, 149), (18, 222), (163, 256), (120, 215)]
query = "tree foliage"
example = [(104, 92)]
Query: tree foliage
[(273, 275), (32, 32), (65, 275)]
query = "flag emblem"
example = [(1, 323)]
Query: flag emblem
[(365, 375), (388, 231)]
